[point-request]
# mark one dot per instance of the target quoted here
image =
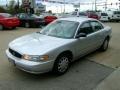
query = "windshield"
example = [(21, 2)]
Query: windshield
[(61, 29), (104, 14)]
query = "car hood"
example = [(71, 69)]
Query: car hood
[(37, 44)]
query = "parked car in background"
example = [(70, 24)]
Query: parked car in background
[(114, 15), (87, 14), (92, 14), (8, 21), (48, 17), (30, 20), (103, 16), (79, 14), (58, 44)]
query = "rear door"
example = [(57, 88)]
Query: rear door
[(98, 29)]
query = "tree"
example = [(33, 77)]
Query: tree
[(11, 7), (2, 10)]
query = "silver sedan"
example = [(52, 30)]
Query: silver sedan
[(58, 44)]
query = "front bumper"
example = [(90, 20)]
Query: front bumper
[(30, 66)]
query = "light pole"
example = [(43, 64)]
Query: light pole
[(105, 5), (119, 4), (64, 6), (95, 5)]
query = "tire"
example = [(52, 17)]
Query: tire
[(1, 27), (105, 44), (27, 25), (61, 65)]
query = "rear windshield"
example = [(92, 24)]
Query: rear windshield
[(116, 12), (104, 14), (5, 15), (82, 14)]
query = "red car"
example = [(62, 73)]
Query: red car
[(49, 19), (93, 15), (7, 21)]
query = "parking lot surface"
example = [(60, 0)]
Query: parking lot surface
[(84, 74)]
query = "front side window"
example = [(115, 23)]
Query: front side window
[(96, 26), (61, 29), (85, 28)]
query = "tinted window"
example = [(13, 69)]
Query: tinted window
[(116, 12), (85, 28), (22, 15), (104, 14), (96, 25), (82, 14)]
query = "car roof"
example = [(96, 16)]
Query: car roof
[(77, 19)]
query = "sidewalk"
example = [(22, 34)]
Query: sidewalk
[(112, 82)]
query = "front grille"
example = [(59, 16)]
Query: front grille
[(14, 53)]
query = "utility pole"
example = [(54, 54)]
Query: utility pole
[(95, 5), (105, 5), (64, 6), (79, 7), (92, 5), (18, 3), (119, 4)]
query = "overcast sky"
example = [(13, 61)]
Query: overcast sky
[(69, 8)]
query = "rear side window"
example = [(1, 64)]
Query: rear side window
[(85, 28), (104, 14), (96, 25)]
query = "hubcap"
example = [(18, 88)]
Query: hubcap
[(105, 44), (63, 64)]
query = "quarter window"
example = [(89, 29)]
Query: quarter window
[(96, 26)]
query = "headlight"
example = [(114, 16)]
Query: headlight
[(35, 57)]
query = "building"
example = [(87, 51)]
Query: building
[(35, 4)]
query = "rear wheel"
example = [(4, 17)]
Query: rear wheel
[(1, 27), (61, 64), (105, 44)]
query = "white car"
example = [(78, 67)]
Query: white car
[(104, 16), (113, 15)]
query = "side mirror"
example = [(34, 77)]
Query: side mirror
[(81, 35)]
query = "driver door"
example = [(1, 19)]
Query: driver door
[(85, 44)]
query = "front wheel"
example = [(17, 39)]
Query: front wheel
[(61, 64), (105, 44)]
